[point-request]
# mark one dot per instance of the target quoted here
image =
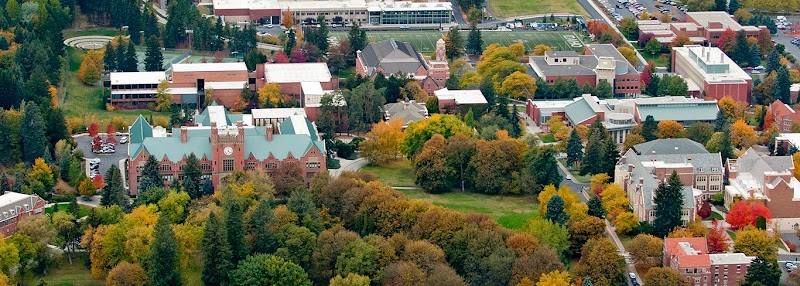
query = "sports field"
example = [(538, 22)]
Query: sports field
[(425, 41)]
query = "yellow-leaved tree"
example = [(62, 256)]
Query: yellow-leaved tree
[(541, 49), (270, 95), (412, 90), (519, 85), (163, 97), (383, 142), (742, 135), (41, 172), (670, 129), (555, 278), (91, 66), (629, 55)]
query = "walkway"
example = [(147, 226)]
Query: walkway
[(349, 165)]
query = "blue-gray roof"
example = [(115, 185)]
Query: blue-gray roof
[(578, 111), (140, 130), (687, 113), (670, 146), (650, 182)]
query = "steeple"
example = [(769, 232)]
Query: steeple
[(140, 130), (440, 50)]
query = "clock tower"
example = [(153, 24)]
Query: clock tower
[(227, 150)]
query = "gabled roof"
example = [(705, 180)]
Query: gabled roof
[(579, 111), (140, 130), (408, 111), (690, 251), (11, 204), (780, 110), (650, 181), (670, 146), (392, 56)]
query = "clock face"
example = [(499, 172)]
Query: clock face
[(228, 151)]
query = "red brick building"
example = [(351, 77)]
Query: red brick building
[(390, 57), (713, 73), (600, 62), (702, 28), (223, 144), (15, 207), (690, 257), (783, 116)]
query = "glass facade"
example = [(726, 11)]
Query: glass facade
[(410, 17)]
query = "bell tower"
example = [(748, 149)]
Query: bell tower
[(440, 50)]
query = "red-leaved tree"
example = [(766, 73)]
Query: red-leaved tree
[(727, 40), (646, 76), (93, 129), (716, 238), (705, 210), (281, 58), (740, 215), (96, 142), (111, 133), (758, 209), (98, 181)]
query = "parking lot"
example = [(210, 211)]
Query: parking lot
[(619, 9), (85, 144), (785, 37)]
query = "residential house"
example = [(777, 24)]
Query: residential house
[(407, 110)]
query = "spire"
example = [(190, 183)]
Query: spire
[(140, 130)]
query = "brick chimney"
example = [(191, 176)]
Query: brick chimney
[(184, 134), (269, 132)]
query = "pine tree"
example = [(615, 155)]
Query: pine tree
[(153, 59), (741, 51), (234, 226), (721, 121), (264, 241), (516, 128), (652, 88), (773, 61), (593, 158), (217, 253), (487, 88), (291, 41), (782, 85), (191, 177), (33, 139), (733, 5), (726, 149), (3, 43), (649, 128), (163, 263), (762, 272), (586, 282), (452, 83), (208, 188), (754, 57), (131, 62), (555, 210), (474, 42), (574, 148), (151, 176), (610, 156), (113, 192), (720, 5), (4, 185), (454, 45), (596, 208), (151, 25), (469, 118), (119, 55), (109, 58), (668, 205)]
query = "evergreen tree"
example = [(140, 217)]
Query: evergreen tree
[(773, 61), (208, 188), (4, 185), (56, 126), (33, 139), (586, 282), (234, 226), (652, 88), (131, 62), (37, 89), (191, 177), (574, 148), (113, 192), (264, 241), (291, 41), (649, 128), (452, 83), (151, 176), (782, 85), (754, 58), (668, 205), (163, 264), (555, 210), (604, 89), (610, 156), (542, 166), (119, 55), (109, 58), (454, 46), (595, 148), (596, 208), (3, 43), (151, 25), (153, 58), (726, 150), (587, 89), (469, 118), (19, 182), (733, 5), (720, 5), (721, 121), (516, 128), (741, 50), (474, 41), (762, 272), (217, 253)]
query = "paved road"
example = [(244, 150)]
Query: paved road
[(349, 165), (85, 144), (783, 38)]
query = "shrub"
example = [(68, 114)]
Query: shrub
[(718, 199), (332, 164)]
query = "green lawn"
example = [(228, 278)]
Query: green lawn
[(716, 216), (82, 210), (510, 8), (397, 174), (425, 41), (92, 32), (64, 274), (547, 138), (510, 211), (657, 60)]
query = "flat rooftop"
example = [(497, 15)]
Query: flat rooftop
[(705, 18), (297, 72), (209, 67), (246, 4), (137, 77), (713, 64), (730, 258)]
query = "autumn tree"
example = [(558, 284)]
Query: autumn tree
[(755, 242), (383, 142), (670, 129), (727, 40), (41, 174), (555, 278), (541, 49), (646, 249), (582, 230), (419, 132), (163, 97), (680, 40), (665, 276), (458, 154), (430, 166), (518, 85), (270, 95), (600, 262), (127, 274), (549, 233), (742, 135), (717, 238), (91, 66), (629, 54)]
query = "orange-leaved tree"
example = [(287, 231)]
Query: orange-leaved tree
[(716, 238)]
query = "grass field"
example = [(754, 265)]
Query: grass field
[(65, 274), (92, 32), (82, 210), (425, 41), (510, 8), (510, 211), (396, 174)]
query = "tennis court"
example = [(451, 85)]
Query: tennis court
[(425, 41)]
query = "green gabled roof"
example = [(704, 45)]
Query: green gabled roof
[(280, 146), (578, 111), (287, 127), (140, 130), (174, 149)]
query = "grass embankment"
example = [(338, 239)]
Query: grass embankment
[(399, 173), (510, 8), (510, 211), (92, 32)]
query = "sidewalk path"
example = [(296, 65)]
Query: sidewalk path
[(349, 165)]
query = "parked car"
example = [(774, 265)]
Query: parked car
[(632, 276), (123, 140)]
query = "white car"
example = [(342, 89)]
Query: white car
[(270, 26), (123, 140), (569, 177)]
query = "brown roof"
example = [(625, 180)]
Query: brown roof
[(690, 251), (780, 110)]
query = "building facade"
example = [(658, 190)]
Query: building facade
[(713, 72), (601, 62), (702, 28), (15, 207), (689, 256), (392, 57), (783, 116), (226, 145), (769, 179), (455, 101)]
